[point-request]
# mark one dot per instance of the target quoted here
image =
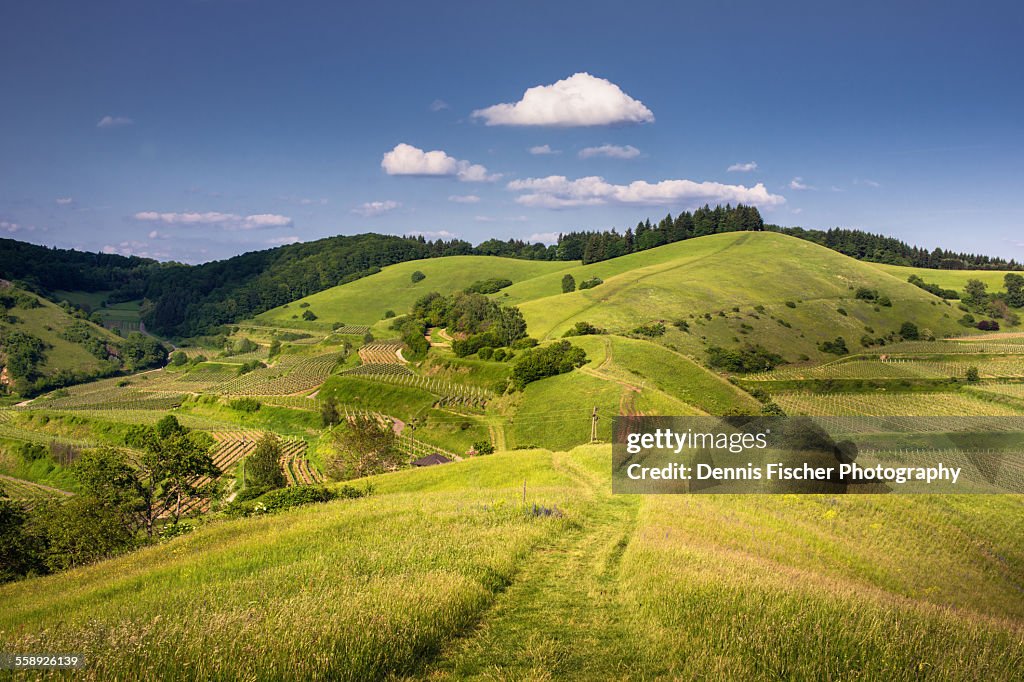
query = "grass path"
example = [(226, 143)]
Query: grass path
[(562, 617)]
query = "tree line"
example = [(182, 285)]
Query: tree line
[(184, 300)]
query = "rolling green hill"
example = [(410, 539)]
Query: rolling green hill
[(446, 574), (948, 279), (787, 294), (67, 340), (365, 301)]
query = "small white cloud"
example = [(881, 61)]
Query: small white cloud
[(742, 167), (375, 208), (543, 149), (798, 184), (227, 221), (557, 191), (114, 122), (9, 227), (440, 234), (291, 239), (464, 199), (64, 201), (485, 219), (796, 211), (611, 151), (579, 100), (310, 202), (837, 188), (406, 159), (543, 237), (439, 105), (869, 183)]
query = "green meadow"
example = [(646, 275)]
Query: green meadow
[(446, 574)]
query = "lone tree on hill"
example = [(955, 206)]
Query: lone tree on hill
[(363, 447), (263, 466), (568, 284)]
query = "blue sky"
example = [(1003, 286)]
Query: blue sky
[(197, 130)]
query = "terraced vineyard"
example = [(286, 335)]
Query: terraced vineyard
[(881, 404), (29, 493), (291, 375), (117, 399), (380, 353), (450, 393), (1009, 367)]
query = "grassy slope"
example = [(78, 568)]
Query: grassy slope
[(46, 323), (717, 273), (947, 279), (366, 300), (439, 575)]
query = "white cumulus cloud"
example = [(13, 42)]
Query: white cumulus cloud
[(557, 191), (290, 239), (543, 149), (798, 184), (464, 199), (742, 167), (227, 221), (543, 237), (439, 234), (64, 201), (612, 151), (375, 208), (579, 100), (439, 105), (114, 122), (406, 159)]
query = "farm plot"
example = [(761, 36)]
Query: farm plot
[(450, 393), (1009, 367), (117, 399), (289, 376), (29, 493), (891, 404), (380, 353), (404, 441)]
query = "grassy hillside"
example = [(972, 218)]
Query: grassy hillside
[(46, 321), (444, 574), (782, 292), (947, 279), (365, 301)]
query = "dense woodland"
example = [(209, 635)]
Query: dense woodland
[(184, 301)]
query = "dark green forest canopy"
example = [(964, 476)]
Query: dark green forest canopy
[(188, 300)]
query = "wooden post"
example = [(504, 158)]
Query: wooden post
[(593, 426)]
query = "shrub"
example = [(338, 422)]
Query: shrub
[(501, 355), (389, 314), (245, 405), (909, 331), (988, 325), (308, 315), (485, 353), (591, 283), (295, 496), (488, 286), (749, 358), (884, 301), (583, 329), (525, 342), (972, 375), (482, 447), (790, 304), (418, 277), (178, 358), (836, 346), (568, 284), (842, 311), (304, 304), (558, 358), (650, 330), (681, 325), (865, 294)]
